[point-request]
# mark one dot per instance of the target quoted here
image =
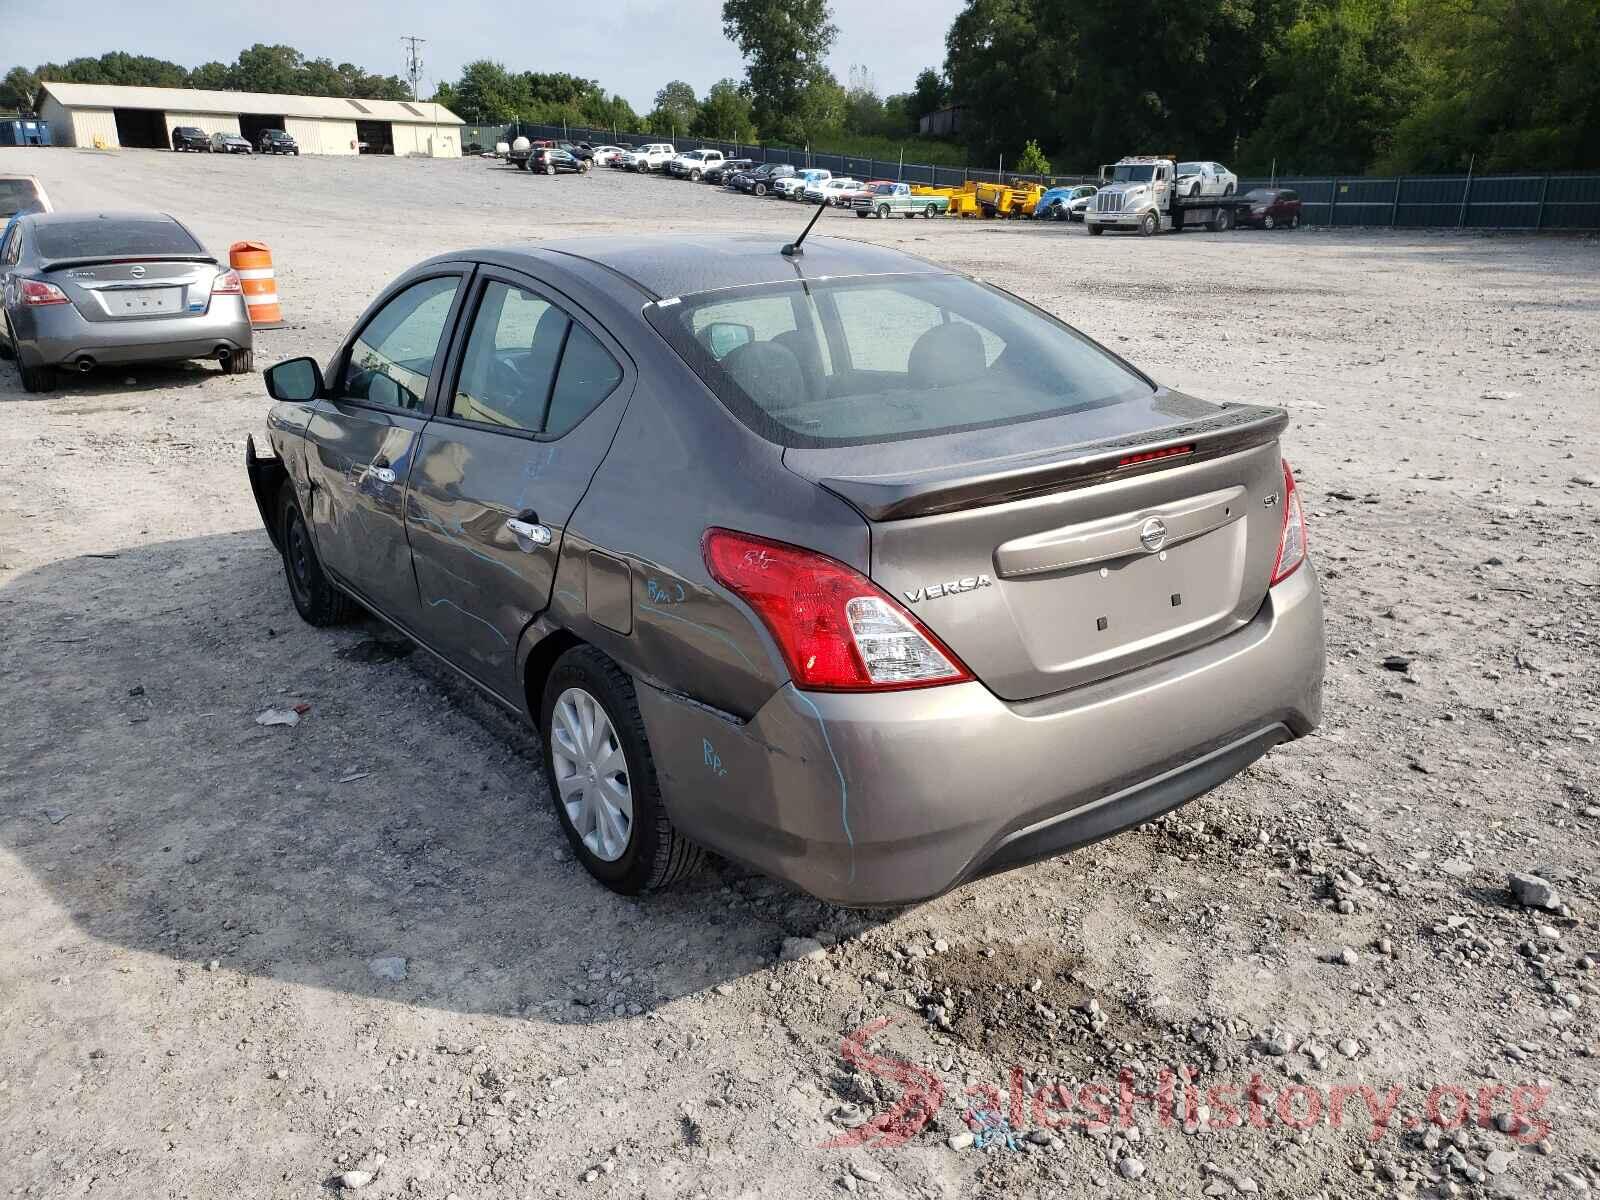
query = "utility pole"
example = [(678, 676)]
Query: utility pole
[(413, 61)]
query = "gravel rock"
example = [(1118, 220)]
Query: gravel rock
[(1498, 1162), (1348, 956), (1533, 891), (1130, 1167), (802, 949), (960, 1141)]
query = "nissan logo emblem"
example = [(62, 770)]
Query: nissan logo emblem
[(137, 272), (1153, 534)]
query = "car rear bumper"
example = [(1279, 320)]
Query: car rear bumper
[(893, 798), (59, 336)]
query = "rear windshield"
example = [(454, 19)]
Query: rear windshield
[(887, 357), (18, 195), (1260, 194), (101, 238)]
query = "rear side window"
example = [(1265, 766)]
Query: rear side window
[(883, 358), (529, 367), (103, 237)]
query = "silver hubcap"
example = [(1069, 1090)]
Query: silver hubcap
[(591, 774)]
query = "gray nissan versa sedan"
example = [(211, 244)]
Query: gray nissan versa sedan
[(85, 289), (839, 563)]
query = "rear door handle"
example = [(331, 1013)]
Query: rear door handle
[(381, 471), (529, 531)]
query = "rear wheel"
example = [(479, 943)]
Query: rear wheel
[(1224, 221), (1269, 222), (603, 780), (37, 379), (1228, 191), (694, 176), (1149, 224), (1294, 221), (240, 362), (931, 211), (316, 600), (760, 189), (5, 339), (1096, 230)]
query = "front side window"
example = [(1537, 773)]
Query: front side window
[(393, 358), (883, 358)]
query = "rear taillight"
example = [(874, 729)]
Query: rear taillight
[(227, 284), (36, 294), (1292, 534), (839, 632)]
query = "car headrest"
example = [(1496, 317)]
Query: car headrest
[(946, 354), (769, 374)]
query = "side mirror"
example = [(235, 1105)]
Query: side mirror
[(1105, 174), (298, 379), (724, 337)]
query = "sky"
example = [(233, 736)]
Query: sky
[(630, 46)]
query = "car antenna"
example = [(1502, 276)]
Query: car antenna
[(793, 250)]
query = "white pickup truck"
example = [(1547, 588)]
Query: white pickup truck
[(694, 163), (651, 157)]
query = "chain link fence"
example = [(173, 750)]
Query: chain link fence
[(1527, 201)]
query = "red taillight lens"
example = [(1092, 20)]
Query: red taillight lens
[(36, 294), (839, 632), (227, 284), (1292, 534), (1134, 460)]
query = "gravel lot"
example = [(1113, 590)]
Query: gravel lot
[(195, 911)]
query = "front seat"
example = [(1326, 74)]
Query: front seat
[(804, 348), (947, 355), (770, 375)]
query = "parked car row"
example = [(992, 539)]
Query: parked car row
[(193, 138)]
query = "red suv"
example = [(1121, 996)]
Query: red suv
[(1269, 208)]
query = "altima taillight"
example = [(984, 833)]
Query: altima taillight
[(1292, 534), (36, 294), (839, 632), (227, 284)]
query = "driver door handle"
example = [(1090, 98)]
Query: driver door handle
[(529, 533), (381, 470)]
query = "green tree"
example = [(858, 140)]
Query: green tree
[(784, 43), (1345, 77), (18, 89), (1512, 82), (487, 93), (1032, 160), (929, 94), (724, 114), (676, 106)]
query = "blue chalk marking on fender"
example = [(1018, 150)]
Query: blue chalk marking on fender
[(712, 758)]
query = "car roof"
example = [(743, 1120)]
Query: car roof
[(683, 266), (80, 215)]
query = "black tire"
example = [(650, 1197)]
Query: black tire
[(931, 211), (522, 164), (1149, 225), (657, 855), (1228, 191), (1194, 190), (862, 213), (1269, 222), (316, 599), (1096, 230), (1294, 221), (694, 176), (240, 362), (1224, 221), (883, 212), (6, 352), (37, 379), (760, 189)]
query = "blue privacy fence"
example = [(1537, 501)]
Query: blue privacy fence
[(1533, 202)]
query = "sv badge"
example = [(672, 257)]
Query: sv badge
[(952, 587)]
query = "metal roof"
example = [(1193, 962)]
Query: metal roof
[(266, 104)]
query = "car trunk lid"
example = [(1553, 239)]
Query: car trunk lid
[(1073, 561), (136, 288)]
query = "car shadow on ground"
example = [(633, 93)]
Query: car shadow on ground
[(402, 817), (110, 380)]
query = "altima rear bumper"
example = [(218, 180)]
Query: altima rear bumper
[(892, 798), (57, 335)]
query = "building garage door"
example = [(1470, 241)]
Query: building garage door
[(377, 135), (142, 129), (251, 127)]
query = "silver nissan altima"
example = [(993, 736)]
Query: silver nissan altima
[(837, 562), (80, 290)]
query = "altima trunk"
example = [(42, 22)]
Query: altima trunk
[(120, 291), (1048, 568)]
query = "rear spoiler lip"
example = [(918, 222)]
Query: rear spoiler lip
[(943, 490), (64, 264)]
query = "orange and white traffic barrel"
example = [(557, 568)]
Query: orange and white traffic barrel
[(253, 262)]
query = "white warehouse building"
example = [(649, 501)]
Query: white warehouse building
[(101, 114)]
